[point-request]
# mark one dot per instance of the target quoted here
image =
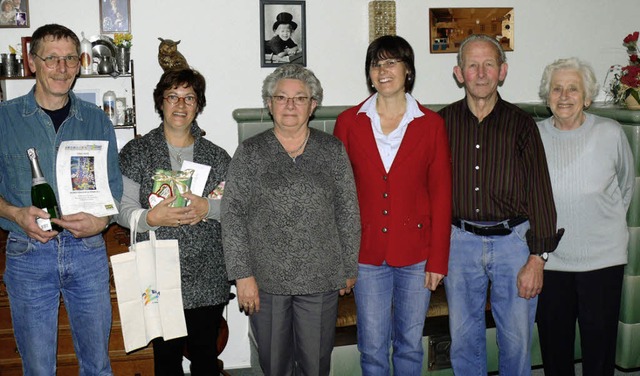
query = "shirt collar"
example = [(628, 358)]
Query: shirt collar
[(412, 112), (31, 106)]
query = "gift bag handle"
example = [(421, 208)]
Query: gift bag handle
[(133, 227)]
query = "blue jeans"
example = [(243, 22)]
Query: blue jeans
[(392, 304), (36, 274), (474, 261)]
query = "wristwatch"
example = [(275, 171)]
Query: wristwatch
[(544, 256)]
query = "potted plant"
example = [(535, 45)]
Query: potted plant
[(625, 87)]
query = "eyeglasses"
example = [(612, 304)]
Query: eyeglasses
[(386, 64), (282, 100), (189, 100), (71, 61)]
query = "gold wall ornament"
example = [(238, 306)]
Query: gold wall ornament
[(382, 19)]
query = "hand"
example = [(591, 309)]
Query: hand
[(351, 284), (26, 219), (82, 225), (198, 207), (530, 277), (248, 298), (432, 280), (164, 215)]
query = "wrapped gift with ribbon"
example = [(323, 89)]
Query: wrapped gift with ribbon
[(168, 183)]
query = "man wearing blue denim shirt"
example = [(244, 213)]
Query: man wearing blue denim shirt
[(40, 265)]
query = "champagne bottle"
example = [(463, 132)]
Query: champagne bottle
[(42, 195)]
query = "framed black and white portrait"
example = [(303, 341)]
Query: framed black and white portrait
[(14, 13), (115, 16), (282, 33)]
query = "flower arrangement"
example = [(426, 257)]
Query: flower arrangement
[(122, 40), (627, 83)]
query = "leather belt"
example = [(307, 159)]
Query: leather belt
[(498, 229)]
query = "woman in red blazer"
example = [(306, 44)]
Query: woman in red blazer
[(401, 161)]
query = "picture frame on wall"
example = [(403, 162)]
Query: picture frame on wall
[(283, 36), (121, 106), (14, 13), (26, 46), (115, 16)]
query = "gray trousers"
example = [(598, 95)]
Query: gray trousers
[(295, 334)]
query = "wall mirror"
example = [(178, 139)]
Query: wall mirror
[(449, 26)]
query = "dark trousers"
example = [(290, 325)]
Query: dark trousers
[(202, 334), (593, 298), (295, 333)]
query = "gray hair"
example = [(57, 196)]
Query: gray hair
[(294, 72), (588, 77), (502, 57)]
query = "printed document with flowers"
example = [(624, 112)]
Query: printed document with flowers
[(83, 179)]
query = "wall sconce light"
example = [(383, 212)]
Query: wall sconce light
[(382, 19)]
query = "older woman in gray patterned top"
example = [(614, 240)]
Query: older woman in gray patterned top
[(291, 228)]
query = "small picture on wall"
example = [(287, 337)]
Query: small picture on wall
[(115, 16), (14, 13), (121, 106), (282, 33)]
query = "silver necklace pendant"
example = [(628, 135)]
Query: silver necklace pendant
[(178, 156)]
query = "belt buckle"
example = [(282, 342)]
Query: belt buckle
[(499, 229)]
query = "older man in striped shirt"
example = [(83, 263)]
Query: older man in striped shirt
[(504, 216)]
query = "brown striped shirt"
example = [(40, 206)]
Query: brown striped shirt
[(500, 171)]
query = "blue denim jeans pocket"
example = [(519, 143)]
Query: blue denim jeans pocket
[(18, 245), (521, 231)]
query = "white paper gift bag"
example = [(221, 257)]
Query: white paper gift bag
[(148, 290)]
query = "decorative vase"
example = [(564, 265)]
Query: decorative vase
[(123, 59), (631, 103)]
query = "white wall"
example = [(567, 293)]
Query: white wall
[(221, 39)]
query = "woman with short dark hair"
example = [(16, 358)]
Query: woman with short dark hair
[(401, 162), (179, 98)]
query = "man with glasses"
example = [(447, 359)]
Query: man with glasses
[(41, 265)]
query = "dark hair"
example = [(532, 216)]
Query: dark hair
[(55, 31), (180, 78), (391, 47)]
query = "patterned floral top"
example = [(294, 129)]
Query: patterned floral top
[(294, 226)]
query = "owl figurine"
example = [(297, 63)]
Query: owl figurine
[(169, 57)]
